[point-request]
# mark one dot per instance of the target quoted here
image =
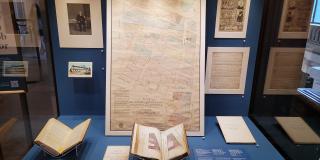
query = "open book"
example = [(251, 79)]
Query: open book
[(151, 143), (56, 138)]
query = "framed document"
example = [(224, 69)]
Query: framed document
[(295, 19), (156, 63), (79, 23), (8, 45), (284, 71), (226, 70), (232, 18)]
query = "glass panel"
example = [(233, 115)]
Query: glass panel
[(27, 87)]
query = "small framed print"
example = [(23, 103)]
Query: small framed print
[(79, 23), (15, 69), (232, 18), (226, 70), (284, 71), (295, 19), (80, 69)]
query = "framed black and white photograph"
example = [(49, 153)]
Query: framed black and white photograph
[(79, 19), (79, 23), (232, 18)]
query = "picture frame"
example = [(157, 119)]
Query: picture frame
[(8, 45), (80, 69), (295, 19), (226, 71), (79, 23), (238, 24), (198, 110), (284, 73), (15, 69)]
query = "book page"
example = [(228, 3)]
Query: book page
[(298, 130), (117, 153), (146, 142), (235, 129), (174, 142), (53, 135), (77, 134)]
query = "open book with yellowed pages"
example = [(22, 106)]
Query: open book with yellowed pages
[(56, 138), (151, 143)]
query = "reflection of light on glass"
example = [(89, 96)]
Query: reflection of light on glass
[(316, 13)]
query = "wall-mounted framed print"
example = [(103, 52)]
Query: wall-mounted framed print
[(295, 19), (284, 71), (79, 23), (232, 18), (156, 65), (80, 69), (15, 69), (8, 44), (226, 70)]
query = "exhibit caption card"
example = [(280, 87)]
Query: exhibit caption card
[(298, 130), (235, 129)]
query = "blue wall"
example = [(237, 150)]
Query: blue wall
[(87, 96)]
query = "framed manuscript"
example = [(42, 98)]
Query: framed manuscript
[(79, 23), (226, 70), (295, 19), (284, 71), (156, 62), (232, 18)]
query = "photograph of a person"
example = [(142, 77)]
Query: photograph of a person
[(79, 19)]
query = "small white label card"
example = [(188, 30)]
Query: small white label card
[(117, 153)]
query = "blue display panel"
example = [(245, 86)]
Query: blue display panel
[(87, 96)]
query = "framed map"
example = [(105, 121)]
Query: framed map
[(295, 19), (79, 23), (232, 18), (156, 63), (284, 71), (226, 70)]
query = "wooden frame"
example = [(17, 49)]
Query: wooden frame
[(201, 130), (294, 55), (243, 73), (232, 34), (69, 36), (284, 17)]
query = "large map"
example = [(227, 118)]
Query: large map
[(155, 75)]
